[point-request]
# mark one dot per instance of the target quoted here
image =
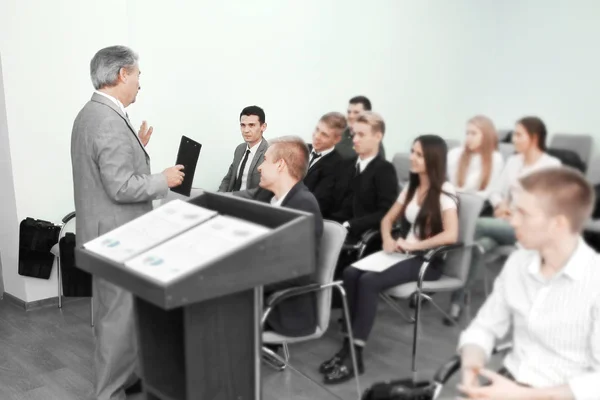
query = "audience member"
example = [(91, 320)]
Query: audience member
[(428, 206), (356, 106), (474, 167), (546, 297), (243, 172), (529, 139), (281, 173), (367, 185)]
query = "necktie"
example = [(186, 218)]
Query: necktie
[(313, 157), (238, 181), (357, 172)]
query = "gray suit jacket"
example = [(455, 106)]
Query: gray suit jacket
[(111, 170), (253, 174)]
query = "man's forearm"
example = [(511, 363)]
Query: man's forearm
[(555, 393), (472, 356)]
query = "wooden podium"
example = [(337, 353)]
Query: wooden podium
[(200, 336)]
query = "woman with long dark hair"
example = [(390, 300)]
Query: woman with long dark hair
[(428, 206)]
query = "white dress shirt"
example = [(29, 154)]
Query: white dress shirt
[(364, 163), (114, 100), (473, 176), (275, 202), (515, 168), (555, 322), (253, 150), (323, 154)]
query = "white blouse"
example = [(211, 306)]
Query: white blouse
[(412, 209), (473, 178), (515, 168)]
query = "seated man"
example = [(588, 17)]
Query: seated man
[(281, 173), (345, 147), (243, 173), (323, 166), (547, 296), (367, 186), (325, 160)]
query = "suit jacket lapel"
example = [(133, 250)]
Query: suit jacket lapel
[(101, 99), (295, 189), (260, 152)]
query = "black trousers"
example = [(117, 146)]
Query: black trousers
[(363, 288)]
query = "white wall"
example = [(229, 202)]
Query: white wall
[(544, 61), (427, 66), (46, 49), (9, 232)]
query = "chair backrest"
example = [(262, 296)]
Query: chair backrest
[(579, 143), (506, 149), (593, 170), (401, 162), (334, 235), (504, 135), (458, 262)]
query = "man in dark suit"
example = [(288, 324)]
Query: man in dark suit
[(282, 171), (367, 185), (356, 106), (324, 162), (243, 172)]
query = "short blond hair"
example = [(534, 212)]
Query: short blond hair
[(335, 120), (374, 120), (292, 150), (567, 191)]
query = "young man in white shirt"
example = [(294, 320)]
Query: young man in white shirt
[(547, 295)]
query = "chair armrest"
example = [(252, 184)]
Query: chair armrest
[(284, 294), (68, 217), (365, 239), (440, 251), (445, 372)]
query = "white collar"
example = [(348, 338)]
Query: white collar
[(364, 163), (573, 267), (324, 152), (114, 100), (277, 202), (254, 148)]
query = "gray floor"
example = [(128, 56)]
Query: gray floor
[(46, 354)]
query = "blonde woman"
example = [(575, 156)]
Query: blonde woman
[(473, 167)]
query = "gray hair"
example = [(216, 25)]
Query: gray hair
[(107, 63)]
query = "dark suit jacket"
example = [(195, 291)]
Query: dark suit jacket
[(366, 198), (346, 148), (320, 180), (296, 316), (253, 174)]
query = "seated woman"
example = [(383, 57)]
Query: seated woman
[(475, 166), (429, 205), (529, 139)]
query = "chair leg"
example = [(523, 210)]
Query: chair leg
[(273, 359), (59, 282), (286, 352), (416, 335), (92, 311), (468, 307), (396, 307), (440, 309), (350, 336)]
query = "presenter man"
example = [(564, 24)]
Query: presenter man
[(113, 185)]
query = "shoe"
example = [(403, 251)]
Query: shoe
[(135, 388), (342, 373), (455, 313), (333, 362)]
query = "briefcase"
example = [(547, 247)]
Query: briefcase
[(36, 238), (75, 282)]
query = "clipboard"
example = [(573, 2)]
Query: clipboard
[(188, 154)]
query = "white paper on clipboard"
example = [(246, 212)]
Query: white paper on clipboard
[(380, 261)]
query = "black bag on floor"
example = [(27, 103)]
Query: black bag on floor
[(75, 282), (36, 238), (403, 389)]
